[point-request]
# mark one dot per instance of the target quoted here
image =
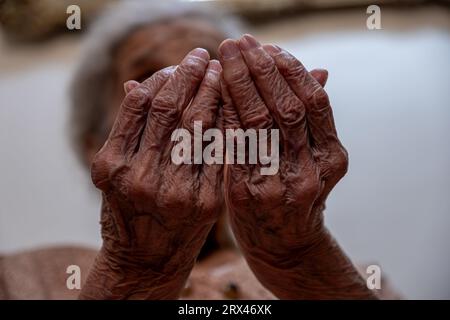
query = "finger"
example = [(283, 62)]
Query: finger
[(205, 103), (251, 108), (321, 75), (287, 108), (124, 135), (202, 112), (211, 178), (170, 102), (230, 116), (231, 122), (130, 85), (318, 109)]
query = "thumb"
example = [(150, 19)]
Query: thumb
[(321, 75)]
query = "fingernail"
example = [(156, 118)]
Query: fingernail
[(215, 65), (200, 53), (228, 49), (130, 85), (272, 49), (248, 42)]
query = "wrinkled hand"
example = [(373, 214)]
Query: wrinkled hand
[(277, 219), (156, 214), (271, 89)]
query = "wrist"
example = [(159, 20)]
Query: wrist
[(282, 257), (285, 248), (113, 277), (320, 270)]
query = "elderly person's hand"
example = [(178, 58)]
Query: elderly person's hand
[(278, 219), (156, 215)]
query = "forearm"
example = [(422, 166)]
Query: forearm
[(319, 271), (142, 265), (110, 279)]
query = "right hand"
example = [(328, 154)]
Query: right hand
[(156, 215)]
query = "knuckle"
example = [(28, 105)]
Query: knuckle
[(164, 73), (164, 109), (251, 109), (318, 97), (334, 162), (158, 78), (256, 115), (340, 161), (212, 78), (203, 114), (135, 99), (101, 169), (294, 69), (211, 87), (264, 67), (292, 112), (192, 68)]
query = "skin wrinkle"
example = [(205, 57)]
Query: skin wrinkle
[(156, 216), (274, 89), (174, 97), (253, 112), (278, 242), (176, 220)]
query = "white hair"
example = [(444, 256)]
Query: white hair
[(93, 80)]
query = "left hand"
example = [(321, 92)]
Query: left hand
[(278, 218)]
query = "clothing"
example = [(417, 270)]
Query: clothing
[(41, 274)]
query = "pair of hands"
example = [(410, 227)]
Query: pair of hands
[(156, 215)]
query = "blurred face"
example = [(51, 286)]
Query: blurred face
[(156, 46), (148, 49)]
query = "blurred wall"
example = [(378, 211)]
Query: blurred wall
[(389, 91)]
